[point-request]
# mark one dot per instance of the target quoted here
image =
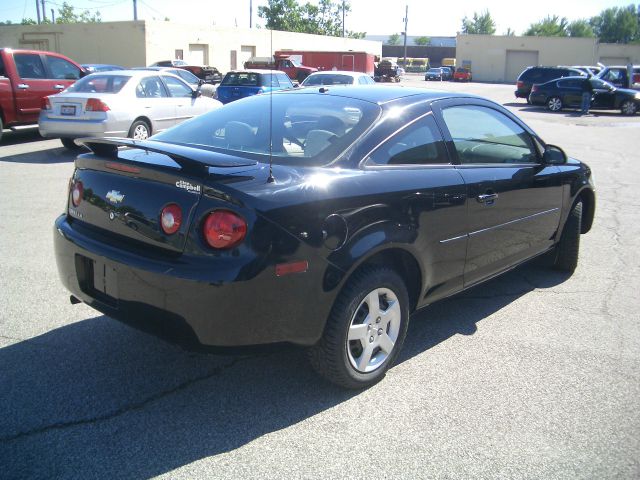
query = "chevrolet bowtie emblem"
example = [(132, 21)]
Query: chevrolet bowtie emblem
[(115, 196)]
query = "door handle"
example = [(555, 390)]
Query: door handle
[(487, 198), (59, 87), (23, 86)]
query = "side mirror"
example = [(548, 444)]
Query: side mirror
[(196, 93), (200, 82), (554, 155)]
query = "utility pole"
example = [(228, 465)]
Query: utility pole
[(44, 12), (342, 18), (38, 10), (250, 13), (135, 10), (53, 16), (406, 20)]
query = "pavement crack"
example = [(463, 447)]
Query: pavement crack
[(127, 408)]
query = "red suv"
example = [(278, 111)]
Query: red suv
[(462, 75), (26, 77)]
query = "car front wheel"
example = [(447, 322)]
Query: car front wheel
[(629, 107), (568, 247), (554, 104), (365, 330)]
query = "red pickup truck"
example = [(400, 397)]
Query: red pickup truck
[(26, 76)]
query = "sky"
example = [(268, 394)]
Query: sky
[(375, 17)]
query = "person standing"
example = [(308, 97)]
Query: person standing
[(587, 92), (629, 75)]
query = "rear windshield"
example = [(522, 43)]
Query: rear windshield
[(96, 83), (435, 70), (329, 79), (301, 128), (242, 79), (461, 70)]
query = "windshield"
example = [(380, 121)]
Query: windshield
[(304, 128), (97, 83), (244, 79), (327, 79), (435, 70)]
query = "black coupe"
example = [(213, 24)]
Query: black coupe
[(567, 93), (321, 217)]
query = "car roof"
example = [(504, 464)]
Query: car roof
[(338, 72), (132, 73), (379, 94), (256, 70)]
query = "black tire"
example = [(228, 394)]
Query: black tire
[(555, 104), (628, 107), (568, 247), (335, 357), (138, 128), (70, 144)]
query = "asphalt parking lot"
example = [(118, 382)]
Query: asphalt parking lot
[(532, 375)]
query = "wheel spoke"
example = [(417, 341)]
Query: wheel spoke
[(391, 315), (358, 332), (365, 358), (385, 343), (373, 301)]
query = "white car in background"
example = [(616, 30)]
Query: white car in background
[(337, 77), (124, 103)]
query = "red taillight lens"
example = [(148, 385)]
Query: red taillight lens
[(224, 229), (96, 105), (45, 104), (520, 84), (76, 192), (171, 219)]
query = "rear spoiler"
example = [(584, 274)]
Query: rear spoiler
[(192, 160)]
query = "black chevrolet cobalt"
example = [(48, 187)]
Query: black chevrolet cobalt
[(320, 217)]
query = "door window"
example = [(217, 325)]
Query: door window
[(150, 87), (484, 135), (29, 65), (177, 88), (61, 69), (418, 144)]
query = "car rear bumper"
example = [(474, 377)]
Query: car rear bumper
[(70, 128), (189, 301), (537, 99), (522, 93)]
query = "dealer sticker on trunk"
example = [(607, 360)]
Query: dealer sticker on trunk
[(188, 186)]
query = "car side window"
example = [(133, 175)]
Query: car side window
[(176, 87), (150, 87), (484, 135), (3, 72), (418, 144), (363, 81), (62, 69), (29, 65), (270, 80), (284, 80)]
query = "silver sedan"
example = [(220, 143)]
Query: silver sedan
[(131, 103)]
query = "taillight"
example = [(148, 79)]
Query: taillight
[(45, 104), (76, 192), (171, 219), (224, 229), (96, 105), (520, 84)]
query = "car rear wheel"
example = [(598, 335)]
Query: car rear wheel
[(628, 107), (140, 130), (70, 144), (365, 330), (554, 104), (568, 248)]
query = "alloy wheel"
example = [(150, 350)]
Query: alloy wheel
[(374, 330), (554, 104)]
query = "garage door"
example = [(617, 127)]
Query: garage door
[(246, 52), (609, 61), (517, 61), (198, 54)]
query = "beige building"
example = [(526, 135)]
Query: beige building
[(140, 43), (495, 58)]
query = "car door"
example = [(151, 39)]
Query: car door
[(33, 84), (154, 103), (571, 91), (604, 97), (181, 94), (514, 201)]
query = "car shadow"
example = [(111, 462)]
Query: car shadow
[(46, 156), (18, 137), (97, 399)]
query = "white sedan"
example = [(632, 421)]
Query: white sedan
[(121, 103), (337, 77)]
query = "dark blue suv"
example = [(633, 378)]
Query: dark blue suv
[(240, 84)]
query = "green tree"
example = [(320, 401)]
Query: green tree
[(394, 39), (580, 28), (322, 18), (422, 41), (481, 24), (617, 24), (548, 27), (67, 14)]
